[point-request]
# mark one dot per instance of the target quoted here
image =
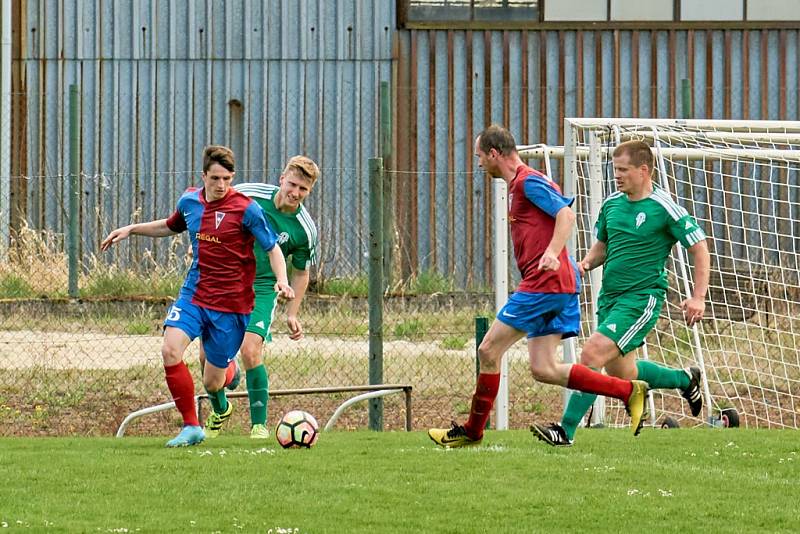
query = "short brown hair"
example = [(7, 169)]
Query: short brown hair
[(498, 138), (219, 154), (638, 152), (305, 166)]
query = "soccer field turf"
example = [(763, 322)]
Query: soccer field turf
[(685, 480)]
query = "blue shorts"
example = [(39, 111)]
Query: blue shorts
[(542, 314), (220, 332)]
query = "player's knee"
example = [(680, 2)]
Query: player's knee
[(543, 372), (212, 384), (171, 355), (487, 356), (251, 357), (592, 358)]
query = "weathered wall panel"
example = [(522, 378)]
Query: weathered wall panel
[(531, 80), (160, 80)]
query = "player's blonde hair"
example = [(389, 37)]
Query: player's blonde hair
[(219, 154), (303, 165)]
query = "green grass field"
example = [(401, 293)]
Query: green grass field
[(685, 480)]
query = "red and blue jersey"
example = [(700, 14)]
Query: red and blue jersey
[(534, 200), (222, 234)]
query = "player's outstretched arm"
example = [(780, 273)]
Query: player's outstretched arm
[(278, 264), (156, 228), (694, 307), (299, 284)]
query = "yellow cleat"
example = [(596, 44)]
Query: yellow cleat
[(259, 432), (216, 420), (637, 405), (453, 437)]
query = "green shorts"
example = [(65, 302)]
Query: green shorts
[(263, 314), (627, 319)]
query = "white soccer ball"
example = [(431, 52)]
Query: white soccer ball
[(297, 429)]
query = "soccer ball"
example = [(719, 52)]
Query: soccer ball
[(297, 429)]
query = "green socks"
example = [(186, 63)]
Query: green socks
[(578, 405), (218, 400), (660, 377), (258, 393), (657, 376)]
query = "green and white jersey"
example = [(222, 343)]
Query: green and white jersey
[(639, 236), (297, 233)]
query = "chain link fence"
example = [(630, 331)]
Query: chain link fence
[(78, 363)]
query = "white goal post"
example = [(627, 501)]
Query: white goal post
[(741, 181)]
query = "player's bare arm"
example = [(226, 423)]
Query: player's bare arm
[(299, 283), (156, 228), (694, 307), (594, 258), (278, 264), (565, 220)]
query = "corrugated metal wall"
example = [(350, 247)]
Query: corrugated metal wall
[(450, 84), (159, 80)]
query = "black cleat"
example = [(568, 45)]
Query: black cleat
[(692, 392), (553, 434)]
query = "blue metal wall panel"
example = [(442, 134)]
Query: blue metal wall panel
[(791, 74), (481, 190), (663, 65), (424, 196), (442, 228), (754, 62), (772, 74)]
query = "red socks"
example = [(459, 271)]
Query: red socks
[(482, 402), (181, 385), (585, 379)]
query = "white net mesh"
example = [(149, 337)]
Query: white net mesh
[(741, 181)]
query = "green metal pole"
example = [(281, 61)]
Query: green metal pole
[(388, 179), (376, 288), (686, 99), (481, 327), (74, 190)]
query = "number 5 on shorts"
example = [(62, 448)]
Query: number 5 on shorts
[(174, 313)]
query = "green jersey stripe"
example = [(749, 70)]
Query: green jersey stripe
[(675, 211), (308, 223), (613, 196), (640, 322), (265, 191), (695, 237), (311, 231)]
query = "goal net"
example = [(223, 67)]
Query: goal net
[(741, 181)]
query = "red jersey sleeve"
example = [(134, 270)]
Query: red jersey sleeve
[(176, 222)]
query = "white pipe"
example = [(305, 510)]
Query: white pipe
[(500, 216), (687, 290), (570, 170), (596, 275), (686, 154), (745, 125), (139, 413), (349, 402), (5, 127)]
